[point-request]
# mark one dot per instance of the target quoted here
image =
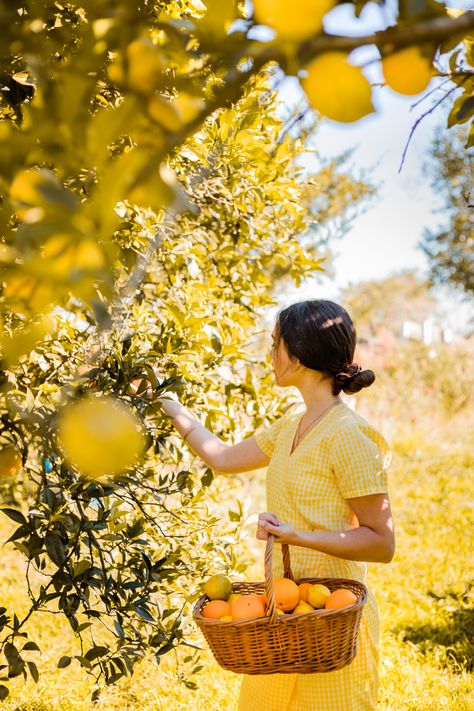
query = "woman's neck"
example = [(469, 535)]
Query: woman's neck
[(316, 393)]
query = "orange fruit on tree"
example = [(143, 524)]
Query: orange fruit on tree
[(247, 607), (215, 609), (141, 387), (293, 21), (10, 462), (407, 71), (337, 89), (286, 593), (303, 588), (340, 598)]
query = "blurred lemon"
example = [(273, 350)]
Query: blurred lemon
[(337, 89), (408, 71), (293, 20), (100, 436)]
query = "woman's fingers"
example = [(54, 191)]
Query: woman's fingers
[(264, 519)]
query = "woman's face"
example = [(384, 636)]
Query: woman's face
[(283, 366)]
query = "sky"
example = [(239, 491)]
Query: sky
[(385, 238)]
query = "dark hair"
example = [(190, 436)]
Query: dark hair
[(321, 335)]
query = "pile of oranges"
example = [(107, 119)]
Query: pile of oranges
[(290, 598)]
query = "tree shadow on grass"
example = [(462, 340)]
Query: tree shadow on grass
[(452, 633)]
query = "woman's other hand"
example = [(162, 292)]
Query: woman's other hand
[(269, 523)]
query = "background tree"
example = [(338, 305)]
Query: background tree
[(450, 248), (389, 302)]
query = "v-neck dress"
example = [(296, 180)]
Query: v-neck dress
[(340, 458)]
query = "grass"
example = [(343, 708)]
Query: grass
[(425, 595)]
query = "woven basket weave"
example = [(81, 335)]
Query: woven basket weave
[(319, 641)]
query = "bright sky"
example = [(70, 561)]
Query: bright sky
[(385, 238)]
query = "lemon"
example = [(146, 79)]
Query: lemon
[(302, 607), (407, 71), (337, 89), (293, 20), (278, 611), (100, 436), (226, 618), (233, 597), (317, 595), (218, 587)]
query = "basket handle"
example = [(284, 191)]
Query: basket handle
[(287, 573)]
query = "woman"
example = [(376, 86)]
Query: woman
[(326, 493)]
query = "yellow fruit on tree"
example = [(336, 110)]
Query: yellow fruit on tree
[(10, 462), (293, 20), (100, 436), (218, 587), (337, 89), (407, 71), (317, 595)]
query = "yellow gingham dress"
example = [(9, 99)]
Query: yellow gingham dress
[(342, 457)]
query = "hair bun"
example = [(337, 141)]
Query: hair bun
[(352, 378)]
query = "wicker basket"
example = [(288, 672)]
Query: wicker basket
[(319, 641)]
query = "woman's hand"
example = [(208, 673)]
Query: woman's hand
[(269, 523), (170, 404)]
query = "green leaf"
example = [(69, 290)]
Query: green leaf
[(144, 614), (64, 662), (80, 567), (15, 515), (31, 647), (4, 691), (56, 549), (95, 652), (33, 671)]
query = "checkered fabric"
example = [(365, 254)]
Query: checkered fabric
[(341, 457)]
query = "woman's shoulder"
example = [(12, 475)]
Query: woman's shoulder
[(350, 426)]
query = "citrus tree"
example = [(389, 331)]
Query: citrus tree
[(148, 188)]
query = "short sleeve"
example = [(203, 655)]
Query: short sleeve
[(267, 437), (359, 460)]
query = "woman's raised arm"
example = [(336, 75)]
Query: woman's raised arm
[(221, 457)]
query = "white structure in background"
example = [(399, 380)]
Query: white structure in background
[(427, 332)]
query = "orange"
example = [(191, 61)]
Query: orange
[(215, 609), (340, 598), (247, 607), (141, 387), (10, 462), (303, 588), (287, 594)]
